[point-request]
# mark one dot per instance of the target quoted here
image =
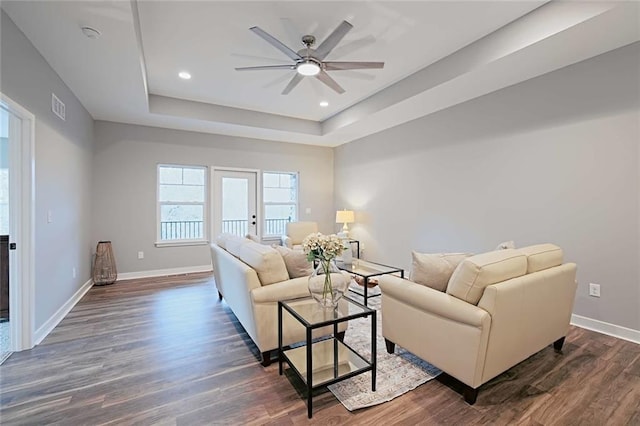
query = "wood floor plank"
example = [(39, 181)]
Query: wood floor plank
[(166, 351)]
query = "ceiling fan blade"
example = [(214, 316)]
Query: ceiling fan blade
[(342, 66), (326, 79), (334, 38), (293, 83), (276, 43), (267, 67)]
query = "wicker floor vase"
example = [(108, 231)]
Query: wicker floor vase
[(104, 265)]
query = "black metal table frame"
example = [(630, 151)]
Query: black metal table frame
[(282, 357), (366, 278)]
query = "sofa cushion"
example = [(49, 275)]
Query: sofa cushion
[(476, 272), (434, 270), (542, 256), (221, 239), (295, 261), (266, 261), (233, 244)]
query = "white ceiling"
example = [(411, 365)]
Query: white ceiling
[(436, 54)]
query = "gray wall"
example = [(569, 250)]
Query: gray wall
[(63, 155), (124, 188), (554, 159)]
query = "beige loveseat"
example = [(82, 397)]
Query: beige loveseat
[(498, 309), (252, 278)]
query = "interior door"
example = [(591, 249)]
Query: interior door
[(235, 202)]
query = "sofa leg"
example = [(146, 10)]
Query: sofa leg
[(266, 359), (557, 345), (391, 347), (340, 336), (219, 295), (470, 394)]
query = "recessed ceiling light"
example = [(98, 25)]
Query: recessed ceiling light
[(324, 104), (184, 75)]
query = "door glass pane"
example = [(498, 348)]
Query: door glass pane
[(235, 205)]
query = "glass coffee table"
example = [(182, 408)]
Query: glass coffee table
[(367, 270), (326, 360)]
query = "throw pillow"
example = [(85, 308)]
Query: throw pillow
[(434, 270), (295, 261), (506, 245), (253, 238)]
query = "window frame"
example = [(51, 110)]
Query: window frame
[(265, 203), (205, 205)]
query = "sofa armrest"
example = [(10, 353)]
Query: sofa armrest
[(447, 332), (287, 242), (290, 289), (432, 301)]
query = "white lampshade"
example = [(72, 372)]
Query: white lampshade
[(345, 216)]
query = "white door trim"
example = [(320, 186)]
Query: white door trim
[(22, 203)]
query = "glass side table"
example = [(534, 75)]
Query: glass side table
[(326, 360), (367, 270)]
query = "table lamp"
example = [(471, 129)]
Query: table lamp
[(345, 217)]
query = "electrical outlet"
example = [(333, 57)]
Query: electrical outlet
[(140, 255), (594, 290), (49, 216), (73, 272), (308, 210)]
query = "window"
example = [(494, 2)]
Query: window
[(181, 203), (280, 197)]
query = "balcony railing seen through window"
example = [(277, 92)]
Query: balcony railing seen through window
[(193, 229), (182, 230)]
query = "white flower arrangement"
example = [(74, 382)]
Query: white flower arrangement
[(322, 247)]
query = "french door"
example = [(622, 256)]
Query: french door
[(235, 202)]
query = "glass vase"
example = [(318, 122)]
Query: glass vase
[(327, 284)]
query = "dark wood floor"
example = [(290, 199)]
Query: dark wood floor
[(166, 351)]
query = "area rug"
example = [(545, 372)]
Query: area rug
[(397, 373)]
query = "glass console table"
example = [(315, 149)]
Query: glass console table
[(325, 360)]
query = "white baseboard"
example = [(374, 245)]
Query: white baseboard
[(55, 319), (618, 331), (164, 272)]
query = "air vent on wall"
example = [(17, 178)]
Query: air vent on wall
[(58, 107)]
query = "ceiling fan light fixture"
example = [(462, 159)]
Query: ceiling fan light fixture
[(308, 68)]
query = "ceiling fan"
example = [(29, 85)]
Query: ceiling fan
[(309, 62)]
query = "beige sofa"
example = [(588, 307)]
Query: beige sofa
[(252, 278), (498, 309)]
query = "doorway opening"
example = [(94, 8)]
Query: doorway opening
[(17, 225)]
